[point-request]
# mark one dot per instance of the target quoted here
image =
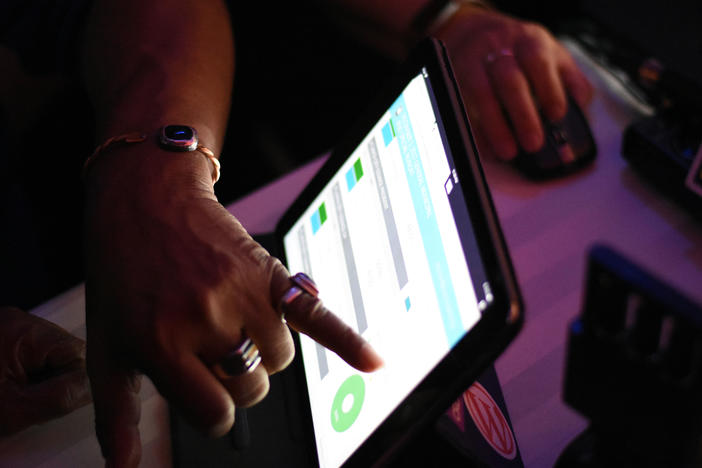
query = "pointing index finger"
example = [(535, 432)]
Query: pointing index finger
[(308, 315), (302, 309)]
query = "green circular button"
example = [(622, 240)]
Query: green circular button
[(347, 403)]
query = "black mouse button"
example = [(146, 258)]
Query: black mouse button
[(559, 135), (568, 146), (540, 164), (547, 158)]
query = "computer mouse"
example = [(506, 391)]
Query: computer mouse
[(568, 147)]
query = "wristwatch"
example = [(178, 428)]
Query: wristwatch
[(178, 138), (182, 138)]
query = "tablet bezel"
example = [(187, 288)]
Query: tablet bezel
[(499, 322)]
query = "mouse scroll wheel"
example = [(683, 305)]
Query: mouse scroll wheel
[(560, 137)]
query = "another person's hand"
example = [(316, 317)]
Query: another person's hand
[(507, 69), (173, 283), (42, 371)]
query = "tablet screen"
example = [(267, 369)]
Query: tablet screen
[(389, 243)]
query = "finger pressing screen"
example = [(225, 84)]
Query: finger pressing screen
[(307, 315)]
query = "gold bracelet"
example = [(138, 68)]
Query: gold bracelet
[(136, 137)]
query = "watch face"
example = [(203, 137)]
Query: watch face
[(179, 137)]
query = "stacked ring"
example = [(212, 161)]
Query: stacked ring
[(301, 283), (243, 359)]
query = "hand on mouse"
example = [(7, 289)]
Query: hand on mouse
[(507, 70)]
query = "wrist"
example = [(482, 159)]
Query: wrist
[(177, 138), (146, 176), (438, 13)]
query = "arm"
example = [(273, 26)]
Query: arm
[(147, 63), (172, 279)]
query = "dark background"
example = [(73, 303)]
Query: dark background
[(299, 84)]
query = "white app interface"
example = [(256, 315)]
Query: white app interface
[(381, 243)]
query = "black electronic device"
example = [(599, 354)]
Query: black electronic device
[(664, 150), (399, 232), (634, 369), (658, 45), (568, 147), (663, 71)]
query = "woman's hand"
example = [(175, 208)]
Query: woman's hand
[(507, 70)]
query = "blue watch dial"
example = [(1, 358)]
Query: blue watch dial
[(179, 138)]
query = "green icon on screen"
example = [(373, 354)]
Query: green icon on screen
[(347, 403)]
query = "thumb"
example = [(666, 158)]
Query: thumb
[(57, 396), (47, 347), (23, 405), (67, 351)]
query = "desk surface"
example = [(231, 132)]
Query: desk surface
[(548, 228)]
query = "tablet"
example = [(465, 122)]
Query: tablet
[(399, 232)]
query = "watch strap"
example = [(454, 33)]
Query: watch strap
[(136, 137)]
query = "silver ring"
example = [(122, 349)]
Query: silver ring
[(493, 57), (305, 283), (243, 359), (301, 283)]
